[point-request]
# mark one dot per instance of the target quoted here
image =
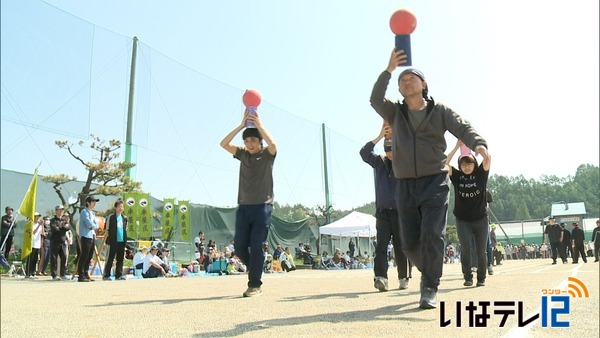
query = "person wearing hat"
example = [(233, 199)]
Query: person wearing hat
[(116, 238), (36, 244), (58, 248), (138, 258), (423, 186), (386, 214), (255, 196), (470, 208), (8, 230), (553, 234), (578, 238), (87, 236)]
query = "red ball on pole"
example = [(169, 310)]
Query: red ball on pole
[(251, 97), (403, 22)]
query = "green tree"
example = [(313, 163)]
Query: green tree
[(451, 234), (522, 212), (105, 175)]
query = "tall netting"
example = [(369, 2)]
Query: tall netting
[(64, 78)]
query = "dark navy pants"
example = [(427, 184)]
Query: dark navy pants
[(252, 224), (423, 211), (388, 228)]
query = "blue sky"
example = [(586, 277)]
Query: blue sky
[(524, 73)]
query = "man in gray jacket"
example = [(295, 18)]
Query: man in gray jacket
[(418, 146)]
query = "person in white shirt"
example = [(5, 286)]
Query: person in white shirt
[(138, 258), (153, 265), (32, 259), (287, 260), (231, 247)]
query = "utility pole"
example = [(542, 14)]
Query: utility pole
[(328, 206), (128, 142)]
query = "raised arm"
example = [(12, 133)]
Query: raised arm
[(451, 155), (487, 158), (272, 146), (383, 106), (226, 142), (366, 152)]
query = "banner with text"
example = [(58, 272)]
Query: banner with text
[(184, 220), (130, 210), (145, 215), (168, 215)]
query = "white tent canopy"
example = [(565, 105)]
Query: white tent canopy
[(355, 224)]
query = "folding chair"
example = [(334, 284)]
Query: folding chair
[(16, 268)]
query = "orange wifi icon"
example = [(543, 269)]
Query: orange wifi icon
[(577, 289)]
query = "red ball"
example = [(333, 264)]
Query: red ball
[(403, 22), (251, 97)]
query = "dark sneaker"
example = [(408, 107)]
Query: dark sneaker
[(83, 280), (381, 284), (468, 283), (56, 279), (481, 283), (253, 292), (490, 270), (106, 278), (122, 278), (553, 263), (428, 298)]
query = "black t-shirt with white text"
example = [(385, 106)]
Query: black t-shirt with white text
[(469, 194)]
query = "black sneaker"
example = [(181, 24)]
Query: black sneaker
[(106, 278), (468, 283), (481, 283), (83, 280)]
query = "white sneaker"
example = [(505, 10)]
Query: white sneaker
[(381, 284), (403, 283)]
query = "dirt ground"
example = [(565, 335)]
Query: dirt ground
[(307, 303)]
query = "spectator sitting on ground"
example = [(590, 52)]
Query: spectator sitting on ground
[(307, 256), (235, 265), (227, 253), (277, 252), (300, 251), (338, 259), (325, 260), (153, 265), (268, 264), (355, 262), (165, 258), (287, 260), (347, 260), (138, 258)]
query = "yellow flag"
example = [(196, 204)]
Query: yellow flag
[(27, 209)]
